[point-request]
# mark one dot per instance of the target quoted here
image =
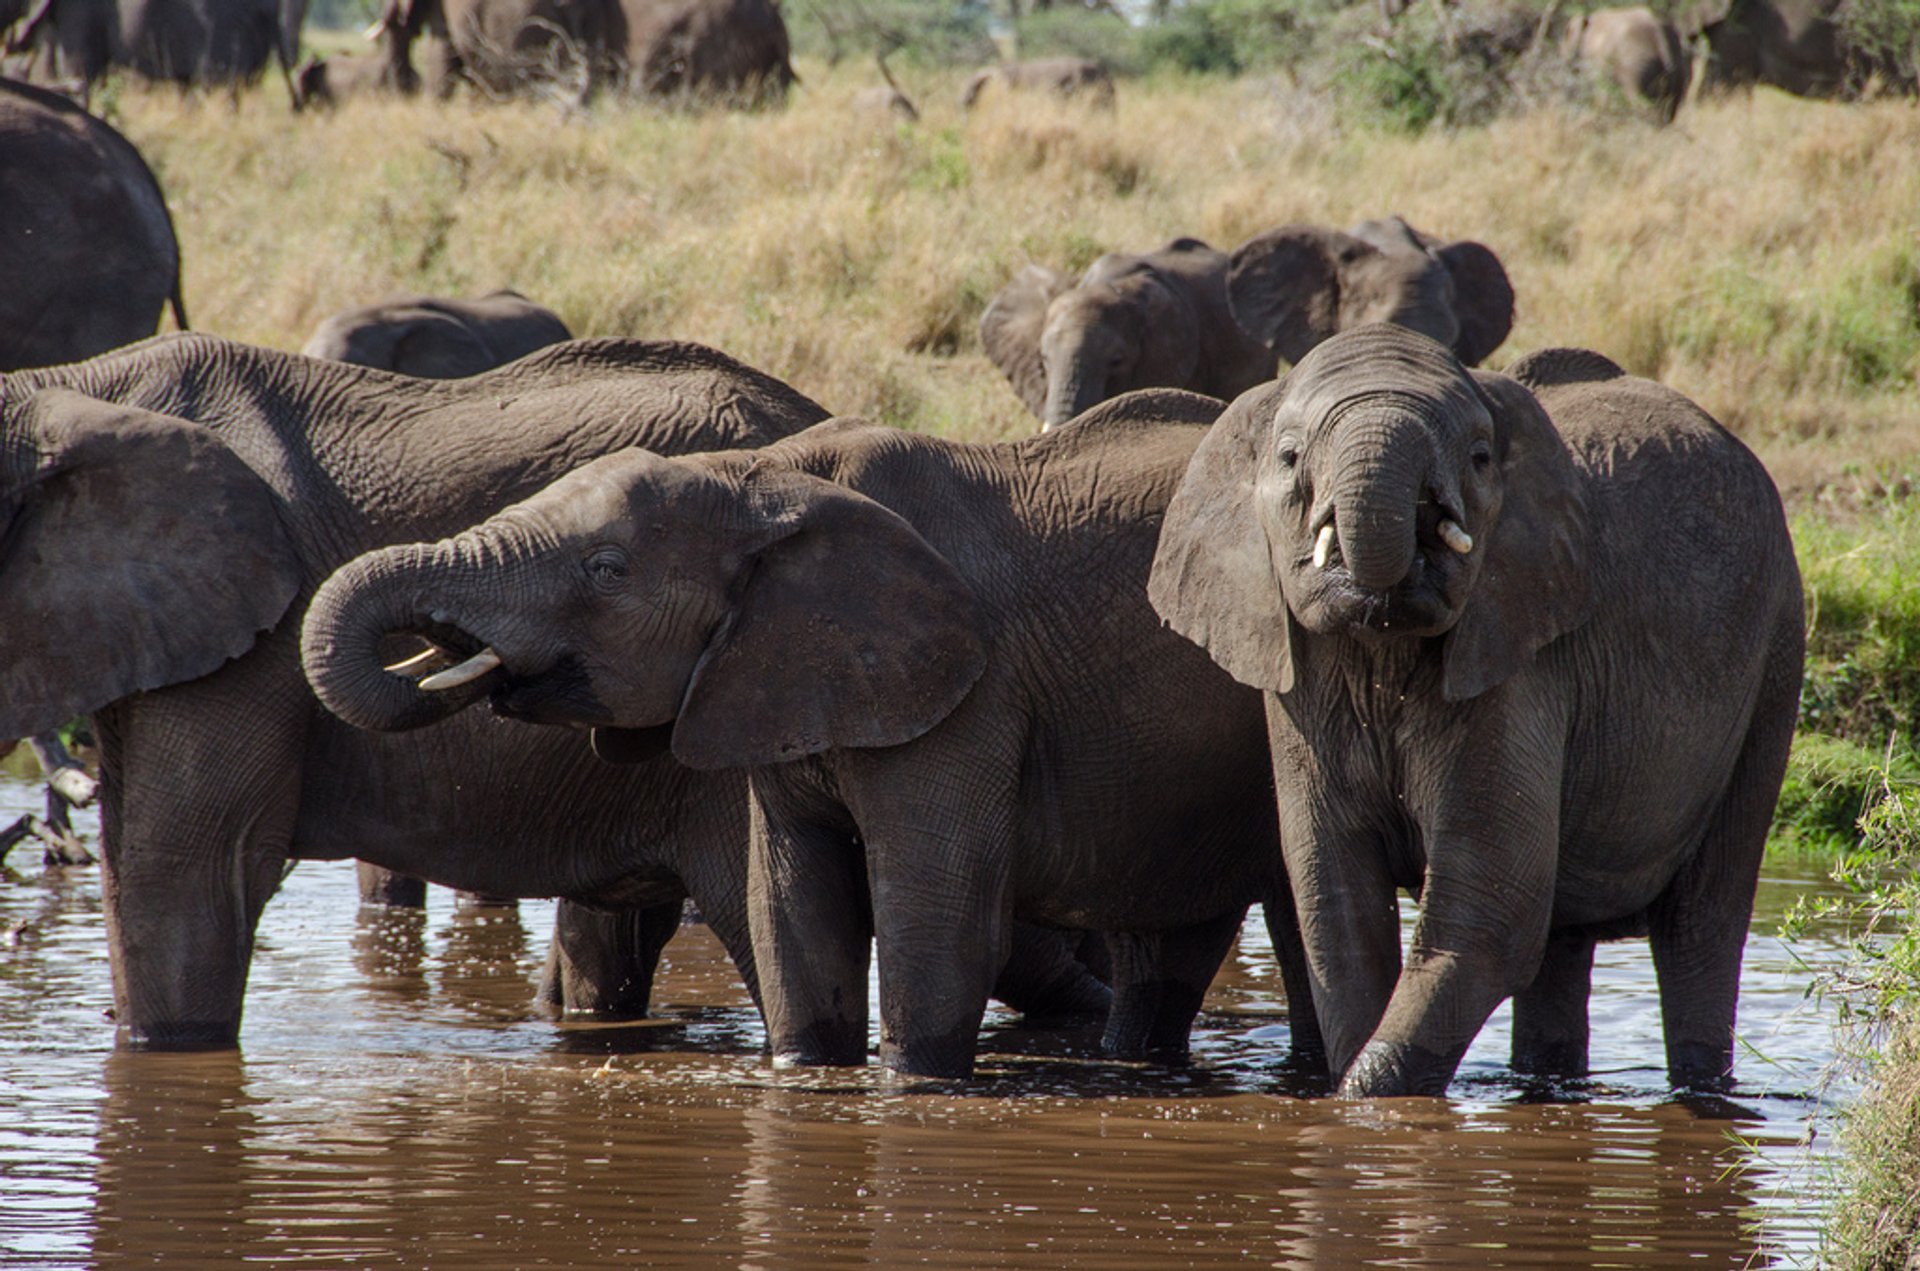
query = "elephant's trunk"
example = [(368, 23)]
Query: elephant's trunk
[(1380, 467), (348, 641), (1074, 390)]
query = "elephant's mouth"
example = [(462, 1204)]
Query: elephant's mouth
[(1420, 604), (441, 656)]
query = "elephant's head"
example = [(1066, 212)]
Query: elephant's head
[(738, 612), (1293, 287), (1067, 348), (136, 551), (1383, 491)]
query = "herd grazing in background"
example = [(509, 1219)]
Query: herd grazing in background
[(1283, 603)]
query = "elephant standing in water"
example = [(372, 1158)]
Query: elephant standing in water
[(1159, 320), (1638, 50), (88, 254), (438, 338), (937, 663), (1532, 650)]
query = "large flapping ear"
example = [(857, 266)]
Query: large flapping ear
[(1011, 328), (1534, 585), (1213, 577), (1482, 299), (1284, 286), (136, 551), (847, 629)]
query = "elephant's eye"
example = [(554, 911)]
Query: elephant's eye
[(1288, 455), (1482, 453), (607, 567)]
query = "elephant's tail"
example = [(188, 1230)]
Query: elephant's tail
[(178, 304)]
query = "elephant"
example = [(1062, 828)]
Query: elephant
[(327, 81), (935, 664), (86, 244), (1636, 49), (182, 41), (885, 100), (1074, 78), (438, 338), (1531, 646), (729, 50), (1295, 286), (163, 532), (1796, 45), (504, 47), (1155, 320)]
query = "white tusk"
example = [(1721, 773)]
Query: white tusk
[(418, 662), (1323, 546), (1453, 536), (467, 672)]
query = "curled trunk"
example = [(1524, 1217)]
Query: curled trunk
[(1381, 469)]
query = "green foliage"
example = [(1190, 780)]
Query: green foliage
[(1876, 1224), (1830, 785), (918, 32), (1862, 581), (341, 15), (1458, 67), (1073, 30), (1231, 36), (1886, 32)]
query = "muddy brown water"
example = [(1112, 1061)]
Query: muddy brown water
[(396, 1102)]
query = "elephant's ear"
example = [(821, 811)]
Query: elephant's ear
[(1482, 299), (1534, 585), (848, 630), (136, 551), (1011, 328), (1284, 286), (1213, 578), (416, 340)]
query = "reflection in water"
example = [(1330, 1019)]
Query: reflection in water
[(400, 1103)]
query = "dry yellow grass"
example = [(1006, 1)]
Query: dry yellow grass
[(1762, 256)]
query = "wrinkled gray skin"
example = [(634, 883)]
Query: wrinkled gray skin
[(937, 663), (155, 570), (182, 41), (436, 337), (733, 50), (1574, 730), (1155, 321), (1796, 45), (1077, 78), (1295, 286), (1636, 49), (87, 249)]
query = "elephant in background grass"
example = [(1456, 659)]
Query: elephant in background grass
[(182, 41), (241, 477), (1532, 648), (1801, 46), (935, 664), (436, 337), (1638, 50), (1187, 316)]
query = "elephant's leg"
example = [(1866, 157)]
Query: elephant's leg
[(380, 886), (1550, 1015), (1045, 980), (1349, 921), (1159, 980), (1308, 1047), (601, 964), (1698, 927), (199, 802), (812, 927)]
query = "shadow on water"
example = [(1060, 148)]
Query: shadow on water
[(400, 1101)]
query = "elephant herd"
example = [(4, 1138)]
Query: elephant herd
[(1284, 604)]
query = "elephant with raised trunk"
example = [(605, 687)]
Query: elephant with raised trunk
[(438, 337), (1531, 645), (1297, 285), (937, 666), (1159, 320), (87, 249)]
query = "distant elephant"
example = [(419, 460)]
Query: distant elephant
[(1077, 78), (1796, 45), (86, 245), (1295, 286), (239, 478), (1636, 49), (885, 99), (732, 50), (436, 337), (327, 81), (937, 665), (1532, 650), (506, 47), (1155, 321), (182, 41)]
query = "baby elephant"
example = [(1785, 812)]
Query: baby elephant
[(1532, 648), (1076, 78), (937, 666), (1155, 321), (1638, 50), (436, 338)]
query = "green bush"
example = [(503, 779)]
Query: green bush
[(1861, 573), (1886, 33), (1830, 785)]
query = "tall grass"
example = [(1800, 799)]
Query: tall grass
[(1763, 256)]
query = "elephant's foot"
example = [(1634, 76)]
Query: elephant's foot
[(822, 1045), (1152, 1020), (178, 1035), (1700, 1067), (1385, 1070), (384, 887), (948, 1056)]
